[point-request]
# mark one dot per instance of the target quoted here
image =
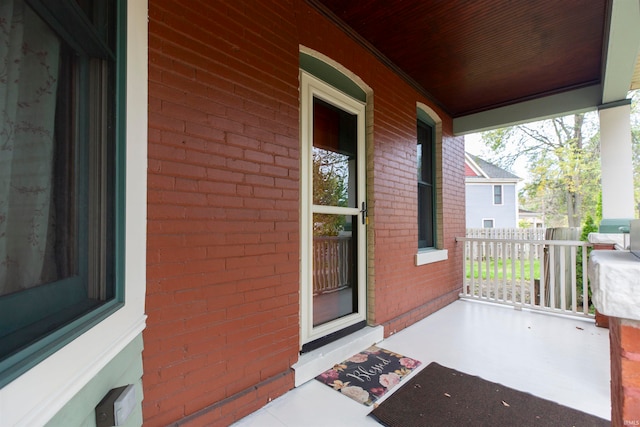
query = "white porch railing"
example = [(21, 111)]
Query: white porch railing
[(548, 275), (331, 263)]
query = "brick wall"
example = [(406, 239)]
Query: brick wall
[(223, 203), (625, 372), (222, 291)]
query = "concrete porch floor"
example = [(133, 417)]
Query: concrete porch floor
[(562, 359)]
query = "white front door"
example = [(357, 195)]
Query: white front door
[(333, 234)]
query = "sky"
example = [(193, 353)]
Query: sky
[(473, 144)]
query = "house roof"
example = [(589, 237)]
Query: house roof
[(494, 63), (527, 213), (475, 167), (468, 170)]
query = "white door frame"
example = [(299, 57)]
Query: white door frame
[(310, 88)]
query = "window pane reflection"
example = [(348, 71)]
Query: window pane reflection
[(334, 272), (334, 156)]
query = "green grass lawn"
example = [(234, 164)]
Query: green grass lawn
[(505, 273), (477, 267)]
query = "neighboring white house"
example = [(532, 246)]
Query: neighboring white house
[(491, 199), (533, 219)]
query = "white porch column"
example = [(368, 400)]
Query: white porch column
[(616, 165)]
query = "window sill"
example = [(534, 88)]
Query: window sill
[(431, 255)]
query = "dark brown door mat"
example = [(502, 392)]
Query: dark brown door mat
[(439, 396)]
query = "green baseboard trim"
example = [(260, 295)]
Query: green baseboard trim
[(125, 368)]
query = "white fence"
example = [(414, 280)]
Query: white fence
[(539, 274), (507, 233), (498, 251)]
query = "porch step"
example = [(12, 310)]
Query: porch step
[(312, 364)]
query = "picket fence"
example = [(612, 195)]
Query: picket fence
[(504, 251)]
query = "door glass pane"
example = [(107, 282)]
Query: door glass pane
[(334, 156), (334, 272)]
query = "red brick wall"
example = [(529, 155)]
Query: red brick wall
[(625, 372), (223, 203), (222, 291)]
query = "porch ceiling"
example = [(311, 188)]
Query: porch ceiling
[(491, 63)]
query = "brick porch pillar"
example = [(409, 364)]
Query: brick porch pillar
[(625, 372), (615, 283)]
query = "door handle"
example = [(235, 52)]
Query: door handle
[(365, 213)]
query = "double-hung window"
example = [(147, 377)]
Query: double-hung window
[(497, 194), (61, 180), (426, 186)]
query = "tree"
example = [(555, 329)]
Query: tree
[(330, 171), (563, 162)]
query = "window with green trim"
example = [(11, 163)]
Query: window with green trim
[(426, 186), (59, 172)]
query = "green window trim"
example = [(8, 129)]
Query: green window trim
[(63, 15), (330, 75), (86, 315), (425, 119), (22, 361), (426, 193)]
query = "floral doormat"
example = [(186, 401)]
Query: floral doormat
[(368, 375)]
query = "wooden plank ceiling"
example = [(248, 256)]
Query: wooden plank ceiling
[(470, 56)]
